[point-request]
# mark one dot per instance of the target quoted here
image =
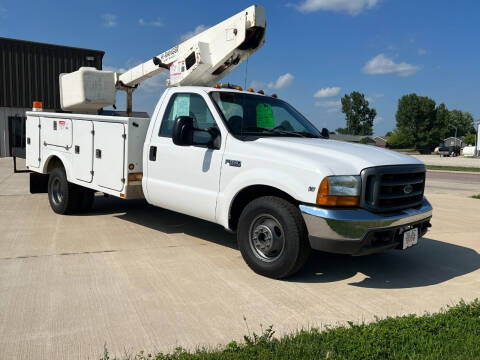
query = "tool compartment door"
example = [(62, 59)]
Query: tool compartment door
[(83, 150), (109, 155), (32, 130), (56, 132)]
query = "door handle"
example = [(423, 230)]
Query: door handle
[(153, 153)]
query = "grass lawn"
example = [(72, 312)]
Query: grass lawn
[(450, 334), (453, 168)]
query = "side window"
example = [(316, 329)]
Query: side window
[(188, 105)]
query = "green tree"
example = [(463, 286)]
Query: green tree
[(358, 115), (416, 119), (399, 140), (463, 121), (469, 139)]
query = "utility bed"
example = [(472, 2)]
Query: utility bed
[(100, 151)]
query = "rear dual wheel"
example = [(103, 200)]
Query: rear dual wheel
[(65, 197)]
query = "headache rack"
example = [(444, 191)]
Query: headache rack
[(392, 188)]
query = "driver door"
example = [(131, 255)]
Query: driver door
[(185, 178)]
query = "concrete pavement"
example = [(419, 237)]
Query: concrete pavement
[(136, 277)]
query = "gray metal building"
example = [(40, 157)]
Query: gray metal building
[(29, 72)]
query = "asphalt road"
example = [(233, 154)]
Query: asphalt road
[(136, 277)]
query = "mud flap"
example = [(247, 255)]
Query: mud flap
[(38, 183)]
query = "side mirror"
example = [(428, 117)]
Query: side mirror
[(216, 138), (182, 134), (325, 133)]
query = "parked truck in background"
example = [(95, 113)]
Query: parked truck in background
[(247, 161)]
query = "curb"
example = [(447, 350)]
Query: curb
[(455, 172)]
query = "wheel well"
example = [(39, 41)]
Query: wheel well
[(250, 193), (54, 162)]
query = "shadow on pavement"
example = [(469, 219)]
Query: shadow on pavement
[(429, 263), (166, 221)]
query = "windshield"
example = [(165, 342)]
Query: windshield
[(256, 115)]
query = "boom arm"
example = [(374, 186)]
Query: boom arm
[(207, 57), (201, 60)]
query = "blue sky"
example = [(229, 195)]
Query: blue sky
[(316, 50)]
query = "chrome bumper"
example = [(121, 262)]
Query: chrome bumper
[(360, 232)]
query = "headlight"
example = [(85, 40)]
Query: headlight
[(341, 190)]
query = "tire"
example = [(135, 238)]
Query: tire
[(62, 195), (272, 237)]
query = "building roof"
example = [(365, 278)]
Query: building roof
[(29, 71), (35, 43), (350, 138)]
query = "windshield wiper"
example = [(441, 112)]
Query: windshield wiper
[(282, 132)]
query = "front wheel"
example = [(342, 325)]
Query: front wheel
[(272, 237)]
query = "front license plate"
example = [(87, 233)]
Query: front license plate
[(410, 238)]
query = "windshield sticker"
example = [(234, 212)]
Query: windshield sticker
[(265, 116), (181, 106)]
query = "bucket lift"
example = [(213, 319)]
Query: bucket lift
[(201, 60)]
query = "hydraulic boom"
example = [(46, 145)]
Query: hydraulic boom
[(201, 60)]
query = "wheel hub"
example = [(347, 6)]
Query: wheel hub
[(262, 238), (57, 192), (267, 238)]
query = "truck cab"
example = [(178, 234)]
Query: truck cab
[(236, 157)]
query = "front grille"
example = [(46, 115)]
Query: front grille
[(391, 188)]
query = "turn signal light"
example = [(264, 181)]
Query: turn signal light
[(324, 197)]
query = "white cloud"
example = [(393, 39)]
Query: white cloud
[(353, 7), (330, 105), (197, 30), (377, 119), (155, 23), (374, 97), (381, 64), (156, 83), (114, 68), (422, 51), (327, 92), (282, 82), (110, 20)]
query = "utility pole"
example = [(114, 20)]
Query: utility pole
[(476, 137)]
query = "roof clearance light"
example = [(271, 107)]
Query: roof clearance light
[(274, 96), (261, 92), (239, 88), (217, 86), (250, 90), (37, 106)]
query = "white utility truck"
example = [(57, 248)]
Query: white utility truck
[(244, 160)]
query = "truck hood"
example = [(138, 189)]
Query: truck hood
[(340, 157)]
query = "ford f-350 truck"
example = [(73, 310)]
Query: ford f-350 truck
[(247, 161)]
